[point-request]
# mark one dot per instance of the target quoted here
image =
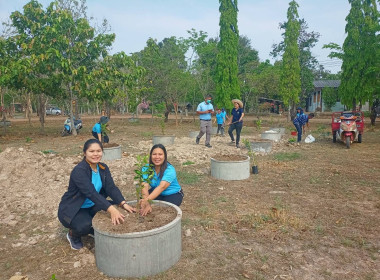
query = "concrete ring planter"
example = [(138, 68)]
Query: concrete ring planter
[(163, 139), (133, 120), (111, 153), (262, 146), (278, 129), (5, 123), (140, 254), (230, 170), (193, 134), (271, 135)]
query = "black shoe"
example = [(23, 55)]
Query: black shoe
[(75, 242), (197, 140), (208, 146), (238, 146)]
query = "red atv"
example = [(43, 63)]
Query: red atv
[(348, 126)]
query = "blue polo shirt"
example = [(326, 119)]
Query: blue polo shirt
[(220, 118), (236, 114), (169, 176), (204, 107), (97, 182), (97, 128)]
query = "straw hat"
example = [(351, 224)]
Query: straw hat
[(238, 102)]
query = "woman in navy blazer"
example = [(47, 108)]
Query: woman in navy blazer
[(89, 186)]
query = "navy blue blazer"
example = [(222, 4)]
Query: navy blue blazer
[(81, 187)]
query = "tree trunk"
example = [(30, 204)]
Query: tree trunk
[(29, 110), (73, 129), (42, 111)]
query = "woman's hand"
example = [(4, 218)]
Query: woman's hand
[(116, 217), (146, 208), (128, 208)]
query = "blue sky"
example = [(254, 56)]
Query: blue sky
[(134, 21)]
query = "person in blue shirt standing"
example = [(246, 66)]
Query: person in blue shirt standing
[(97, 130), (89, 186), (220, 120), (204, 110), (236, 121), (164, 184)]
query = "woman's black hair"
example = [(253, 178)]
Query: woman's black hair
[(165, 163), (89, 142)]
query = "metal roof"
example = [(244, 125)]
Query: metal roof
[(326, 83)]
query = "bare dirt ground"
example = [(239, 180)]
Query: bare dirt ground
[(312, 212)]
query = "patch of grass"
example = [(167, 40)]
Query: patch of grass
[(187, 178), (287, 156), (346, 242), (315, 180), (186, 221), (28, 139), (147, 134), (188, 163), (49, 152), (319, 229), (221, 199), (292, 140)]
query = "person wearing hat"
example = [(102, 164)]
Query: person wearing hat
[(236, 121), (204, 110), (97, 130)]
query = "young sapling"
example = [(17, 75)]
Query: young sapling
[(144, 174), (251, 153)]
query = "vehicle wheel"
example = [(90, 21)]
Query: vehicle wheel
[(64, 133), (334, 136), (360, 138), (348, 142), (57, 114)]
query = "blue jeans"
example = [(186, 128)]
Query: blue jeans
[(299, 130)]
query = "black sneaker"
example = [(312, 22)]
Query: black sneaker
[(208, 146), (238, 146), (197, 140), (75, 242)]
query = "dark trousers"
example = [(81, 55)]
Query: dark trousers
[(238, 126), (81, 224), (175, 198), (299, 131), (105, 139), (220, 128)]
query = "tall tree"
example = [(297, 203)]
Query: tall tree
[(290, 81), (227, 85), (360, 54), (352, 67), (166, 70), (308, 63), (112, 77)]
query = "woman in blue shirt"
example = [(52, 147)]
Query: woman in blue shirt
[(236, 122), (164, 185), (97, 130), (89, 186)]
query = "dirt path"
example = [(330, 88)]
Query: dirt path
[(312, 212)]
